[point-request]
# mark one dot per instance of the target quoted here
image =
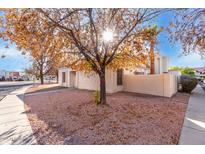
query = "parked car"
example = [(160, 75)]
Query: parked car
[(20, 79), (14, 78)]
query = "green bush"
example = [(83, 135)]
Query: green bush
[(97, 97), (184, 70), (188, 83)]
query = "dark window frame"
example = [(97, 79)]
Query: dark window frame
[(119, 77), (63, 77)]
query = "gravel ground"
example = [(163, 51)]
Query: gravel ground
[(72, 117)]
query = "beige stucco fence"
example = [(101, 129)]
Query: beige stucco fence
[(157, 84)]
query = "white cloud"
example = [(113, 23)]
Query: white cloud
[(10, 52), (193, 60), (14, 60)]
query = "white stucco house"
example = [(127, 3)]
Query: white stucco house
[(124, 80), (77, 79)]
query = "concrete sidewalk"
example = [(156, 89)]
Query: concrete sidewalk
[(14, 125), (193, 131)]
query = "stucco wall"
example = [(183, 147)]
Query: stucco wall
[(157, 84), (91, 81), (87, 81), (170, 85)]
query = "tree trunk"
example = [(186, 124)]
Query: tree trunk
[(41, 76), (102, 87), (152, 70)]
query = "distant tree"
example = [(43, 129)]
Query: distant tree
[(54, 70), (32, 71), (184, 71), (188, 71), (175, 68), (188, 29)]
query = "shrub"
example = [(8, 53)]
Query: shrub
[(188, 83), (97, 97)]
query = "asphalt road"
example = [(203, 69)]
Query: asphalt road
[(7, 87)]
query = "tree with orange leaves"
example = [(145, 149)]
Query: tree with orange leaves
[(32, 35), (100, 39)]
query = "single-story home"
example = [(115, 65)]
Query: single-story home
[(77, 79), (160, 84)]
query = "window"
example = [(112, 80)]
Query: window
[(119, 77), (63, 77)]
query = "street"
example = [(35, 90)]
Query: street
[(7, 87)]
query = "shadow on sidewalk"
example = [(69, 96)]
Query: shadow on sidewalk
[(13, 136)]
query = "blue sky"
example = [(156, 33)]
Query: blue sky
[(15, 61), (173, 51)]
